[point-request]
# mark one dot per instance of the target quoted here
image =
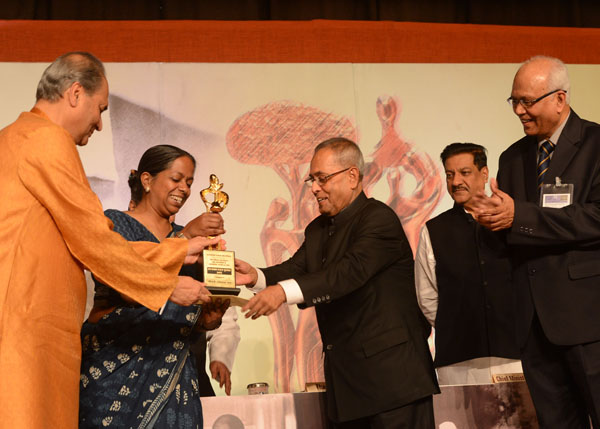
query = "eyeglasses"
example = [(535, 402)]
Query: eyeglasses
[(321, 180), (514, 102)]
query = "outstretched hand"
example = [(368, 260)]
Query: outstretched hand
[(205, 225), (495, 212), (189, 291), (265, 303), (245, 274), (197, 244)]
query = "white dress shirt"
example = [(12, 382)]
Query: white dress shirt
[(223, 341), (293, 293)]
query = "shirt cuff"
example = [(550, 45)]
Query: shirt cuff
[(261, 282), (293, 293)]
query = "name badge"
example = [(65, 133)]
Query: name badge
[(557, 195)]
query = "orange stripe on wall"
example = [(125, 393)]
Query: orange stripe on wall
[(320, 41)]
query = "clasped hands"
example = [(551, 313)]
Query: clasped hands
[(495, 212)]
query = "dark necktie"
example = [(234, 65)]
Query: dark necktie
[(545, 150)]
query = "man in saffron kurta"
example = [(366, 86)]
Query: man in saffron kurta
[(51, 227)]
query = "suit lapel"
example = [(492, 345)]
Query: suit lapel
[(566, 148), (530, 168)]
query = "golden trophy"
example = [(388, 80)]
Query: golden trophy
[(220, 198), (219, 265)]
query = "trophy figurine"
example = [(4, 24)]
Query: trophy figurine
[(219, 265), (220, 198)]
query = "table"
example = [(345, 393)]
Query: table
[(505, 405)]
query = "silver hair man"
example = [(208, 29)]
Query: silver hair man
[(67, 69), (348, 152)]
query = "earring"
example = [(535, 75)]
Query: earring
[(147, 189)]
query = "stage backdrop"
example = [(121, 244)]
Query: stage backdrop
[(255, 125)]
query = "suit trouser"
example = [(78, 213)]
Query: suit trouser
[(564, 381), (416, 415)]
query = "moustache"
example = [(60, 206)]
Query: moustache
[(458, 188)]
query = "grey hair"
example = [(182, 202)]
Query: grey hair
[(347, 152), (558, 76), (67, 69)]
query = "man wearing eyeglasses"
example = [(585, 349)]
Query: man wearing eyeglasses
[(547, 200), (356, 268)]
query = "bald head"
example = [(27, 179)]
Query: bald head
[(548, 73), (540, 96)]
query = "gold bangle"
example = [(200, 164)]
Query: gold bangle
[(180, 235)]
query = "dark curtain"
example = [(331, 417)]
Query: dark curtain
[(552, 13)]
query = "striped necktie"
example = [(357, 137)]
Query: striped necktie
[(545, 150)]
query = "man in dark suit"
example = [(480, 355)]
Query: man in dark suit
[(555, 242), (356, 267)]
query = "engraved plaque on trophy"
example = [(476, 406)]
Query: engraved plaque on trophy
[(219, 265)]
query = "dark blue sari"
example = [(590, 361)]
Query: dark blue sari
[(137, 370)]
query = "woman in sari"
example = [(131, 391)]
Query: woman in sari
[(137, 370)]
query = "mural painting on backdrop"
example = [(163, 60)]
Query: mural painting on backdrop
[(282, 135)]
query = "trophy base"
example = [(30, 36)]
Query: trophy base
[(216, 290)]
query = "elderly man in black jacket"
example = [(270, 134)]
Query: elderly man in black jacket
[(547, 199), (356, 267)]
